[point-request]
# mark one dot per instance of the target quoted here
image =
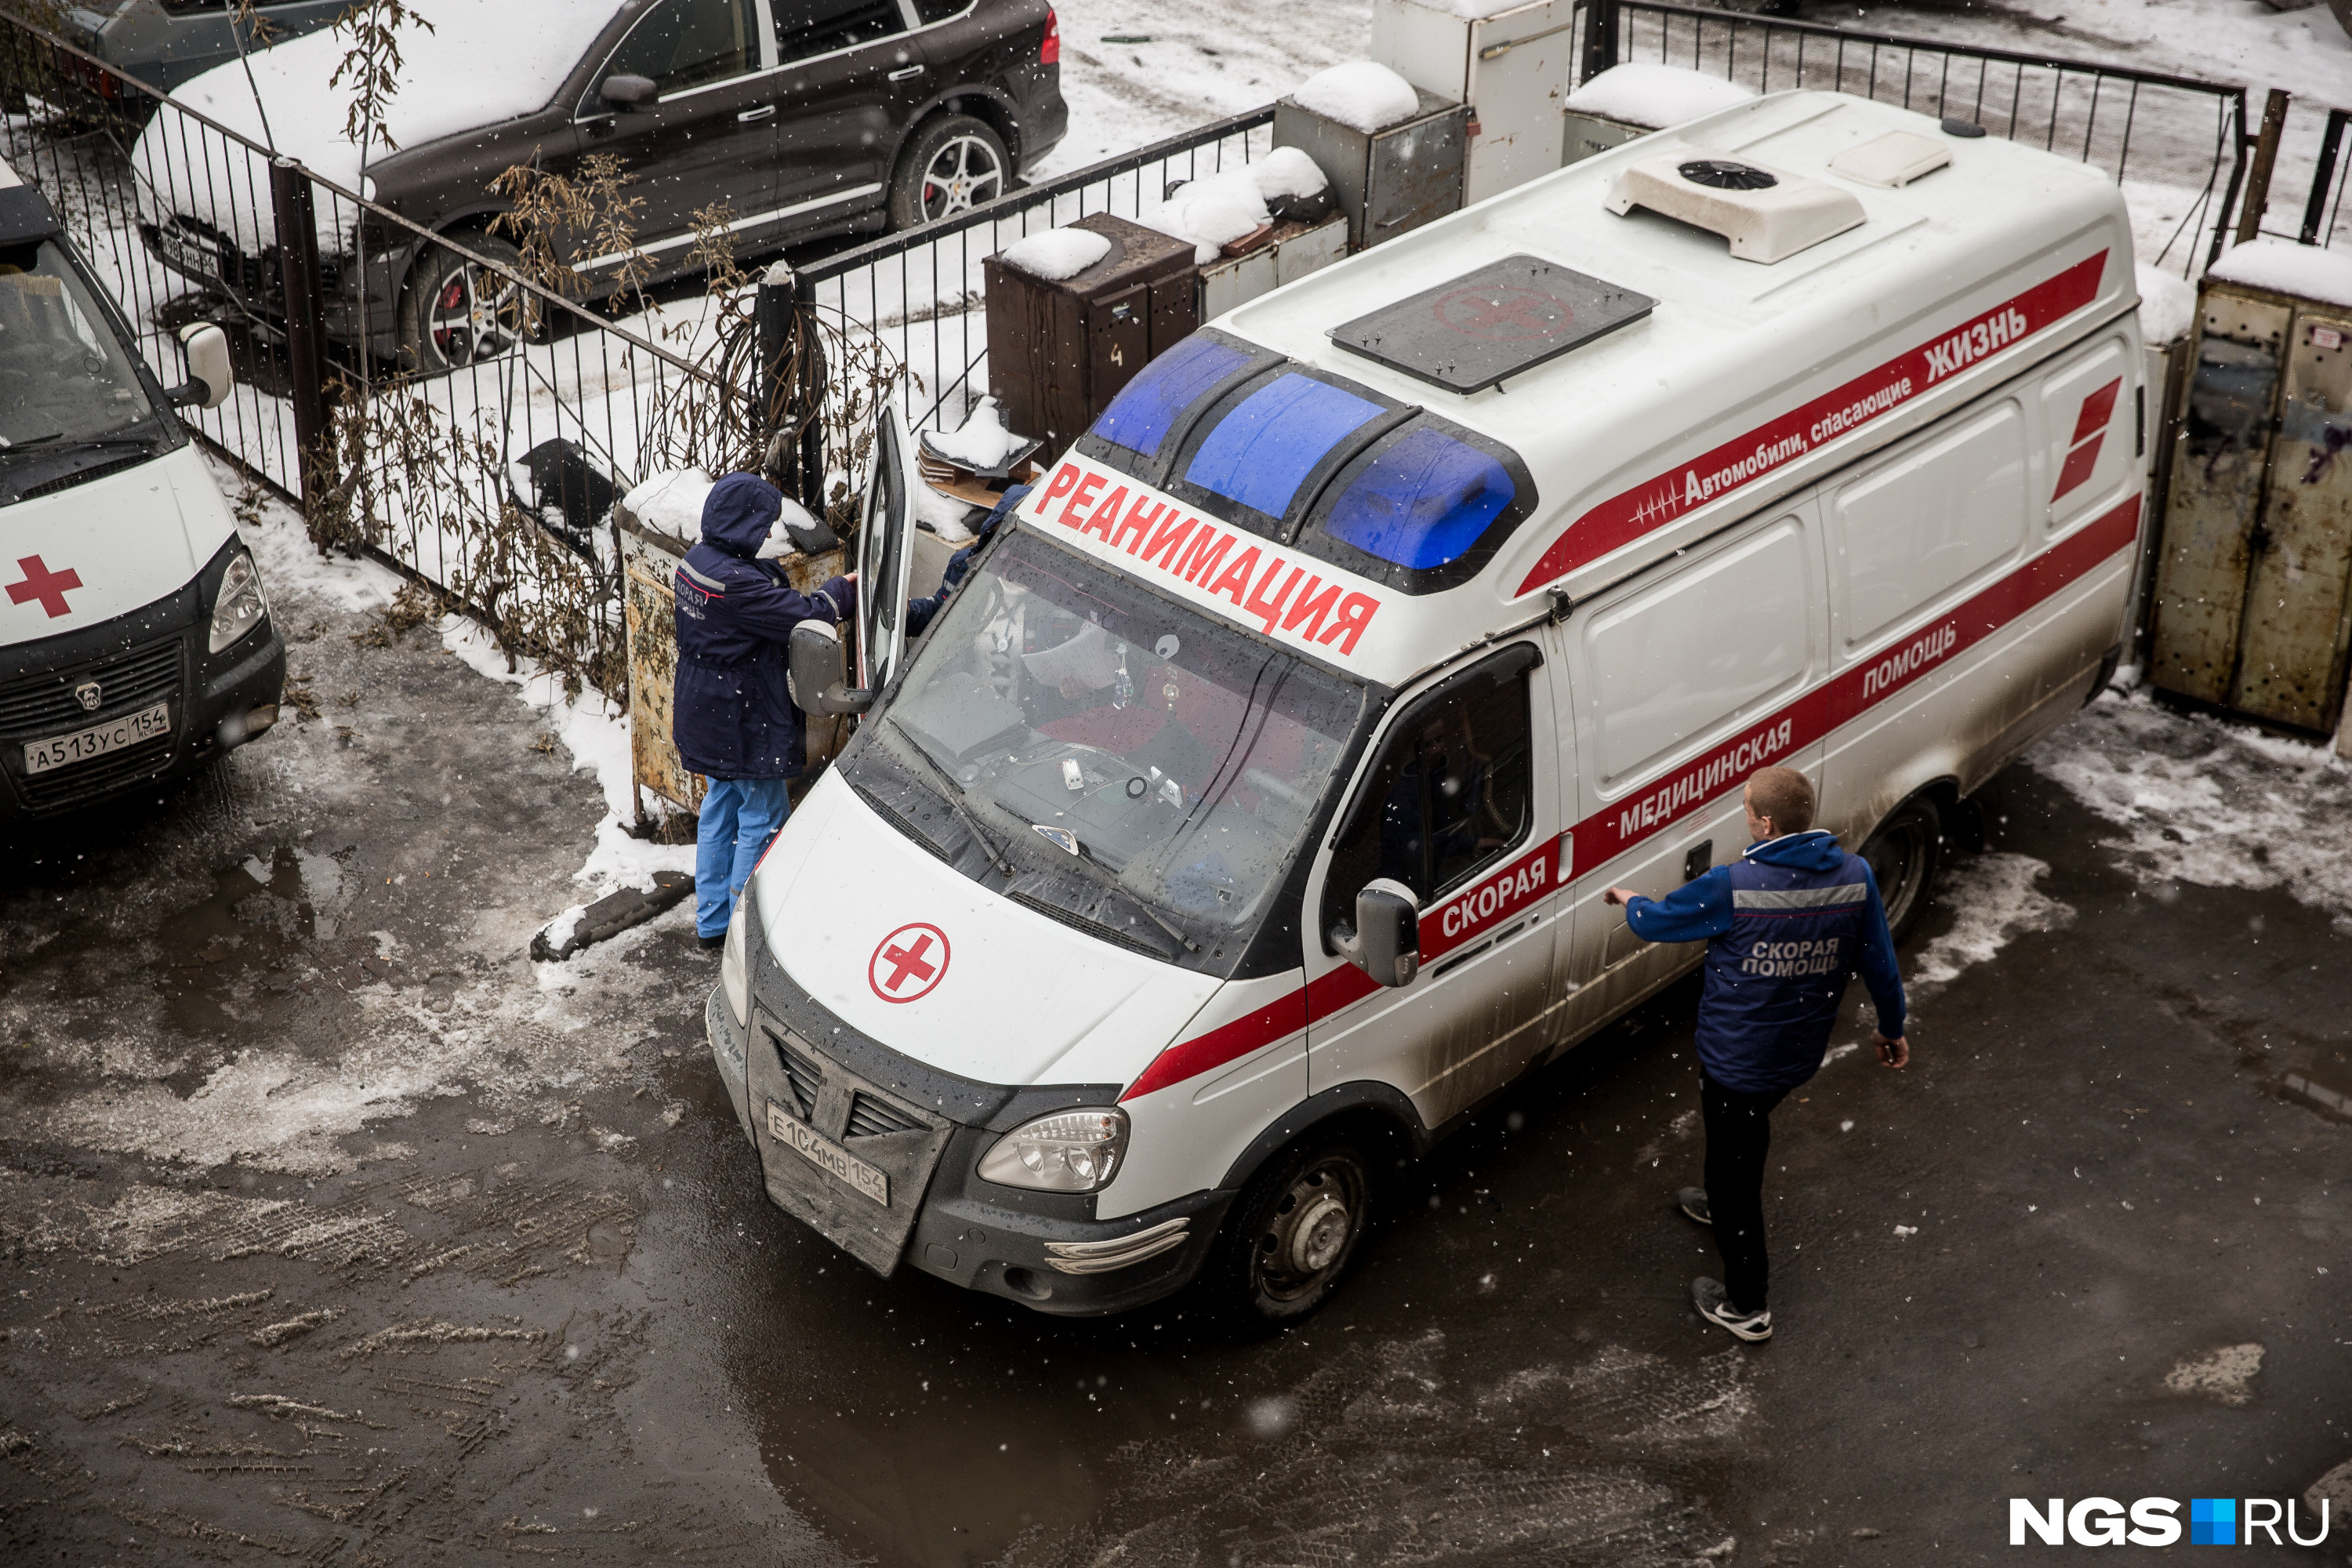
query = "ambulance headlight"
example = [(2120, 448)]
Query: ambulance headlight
[(735, 971), (1068, 1151), (239, 606)]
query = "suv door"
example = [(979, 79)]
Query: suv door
[(1460, 803), (850, 78), (710, 136), (886, 553)]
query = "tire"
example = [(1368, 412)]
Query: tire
[(1903, 855), (455, 312), (954, 163), (1292, 1235)]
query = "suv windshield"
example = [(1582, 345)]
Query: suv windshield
[(1185, 759), (64, 378)]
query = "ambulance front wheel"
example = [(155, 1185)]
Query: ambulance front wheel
[(1903, 855), (1294, 1233)]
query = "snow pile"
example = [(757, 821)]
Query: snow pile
[(671, 502), (1361, 94), (444, 90), (1996, 900), (2303, 271), (1288, 172), (2208, 802), (983, 443), (779, 542), (1057, 253), (1211, 213), (1654, 96), (2167, 307)]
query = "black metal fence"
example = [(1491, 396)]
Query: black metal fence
[(2176, 145), (918, 293), (2322, 206)]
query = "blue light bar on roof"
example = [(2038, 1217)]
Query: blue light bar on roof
[(1422, 502), (1139, 417), (1265, 448)]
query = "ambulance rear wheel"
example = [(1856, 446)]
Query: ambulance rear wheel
[(1903, 855), (1294, 1233)]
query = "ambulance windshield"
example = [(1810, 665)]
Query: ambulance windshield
[(1071, 710), (64, 378)]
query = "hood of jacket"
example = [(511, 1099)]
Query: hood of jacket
[(737, 514), (1817, 850)]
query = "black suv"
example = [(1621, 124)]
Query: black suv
[(809, 118)]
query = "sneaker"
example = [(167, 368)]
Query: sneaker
[(712, 943), (1707, 1295), (1693, 1202)]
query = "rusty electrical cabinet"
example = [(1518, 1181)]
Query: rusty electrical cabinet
[(1390, 181), (2253, 591), (1059, 351)]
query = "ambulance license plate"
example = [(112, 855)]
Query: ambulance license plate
[(64, 751), (827, 1155)]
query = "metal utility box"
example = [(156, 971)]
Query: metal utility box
[(2253, 590), (1293, 250), (1512, 68), (1583, 136), (1391, 181), (1059, 351)]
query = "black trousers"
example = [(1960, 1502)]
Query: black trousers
[(1738, 1137)]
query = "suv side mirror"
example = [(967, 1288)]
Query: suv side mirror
[(628, 91), (1385, 943), (816, 672), (205, 348)]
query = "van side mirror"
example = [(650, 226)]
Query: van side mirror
[(205, 348), (626, 92), (816, 672), (1385, 941)]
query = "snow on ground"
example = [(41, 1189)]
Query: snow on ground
[(1995, 900), (2219, 804)]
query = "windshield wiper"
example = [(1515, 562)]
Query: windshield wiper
[(955, 797), (1108, 879), (8, 445), (56, 441)]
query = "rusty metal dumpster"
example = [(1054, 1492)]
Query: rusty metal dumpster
[(2253, 593)]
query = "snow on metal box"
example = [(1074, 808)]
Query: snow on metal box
[(1509, 316), (1747, 381)]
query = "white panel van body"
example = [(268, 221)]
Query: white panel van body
[(135, 641), (1483, 566)]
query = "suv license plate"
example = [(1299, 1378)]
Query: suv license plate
[(827, 1155), (64, 751)]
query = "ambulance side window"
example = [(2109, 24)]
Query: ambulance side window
[(1449, 795), (1930, 520)]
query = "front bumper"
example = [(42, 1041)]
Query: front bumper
[(1045, 1250), (217, 701), (361, 302)]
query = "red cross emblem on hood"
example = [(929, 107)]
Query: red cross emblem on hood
[(908, 963), (40, 582)]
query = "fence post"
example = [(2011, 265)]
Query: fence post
[(2258, 182), (2315, 210), (306, 324), (792, 383), (1601, 18)]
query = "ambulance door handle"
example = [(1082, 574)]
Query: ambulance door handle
[(1698, 859)]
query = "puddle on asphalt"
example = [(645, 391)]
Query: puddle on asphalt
[(252, 937), (2323, 1085)]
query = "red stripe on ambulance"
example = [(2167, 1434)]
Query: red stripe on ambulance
[(1737, 463), (1611, 831)]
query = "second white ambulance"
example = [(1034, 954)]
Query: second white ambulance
[(1241, 825)]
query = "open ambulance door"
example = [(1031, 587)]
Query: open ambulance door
[(886, 553)]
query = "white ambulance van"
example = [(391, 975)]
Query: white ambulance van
[(135, 642), (1241, 825)]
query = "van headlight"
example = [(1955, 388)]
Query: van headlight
[(1068, 1151), (239, 606), (735, 972)]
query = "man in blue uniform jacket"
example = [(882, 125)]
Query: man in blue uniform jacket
[(1786, 927), (729, 715)]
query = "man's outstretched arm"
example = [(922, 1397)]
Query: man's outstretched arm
[(1695, 911)]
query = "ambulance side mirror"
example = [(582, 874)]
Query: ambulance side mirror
[(1385, 941), (205, 348), (816, 672)]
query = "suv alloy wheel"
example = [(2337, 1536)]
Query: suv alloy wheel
[(952, 165)]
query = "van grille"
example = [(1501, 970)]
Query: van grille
[(45, 703), (802, 1077), (871, 1118)]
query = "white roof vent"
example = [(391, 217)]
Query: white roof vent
[(1767, 214), (1892, 160)]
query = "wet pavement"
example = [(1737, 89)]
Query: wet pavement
[(336, 1230)]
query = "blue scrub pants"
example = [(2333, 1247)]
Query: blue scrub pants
[(739, 818)]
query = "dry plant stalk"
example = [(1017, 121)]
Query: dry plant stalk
[(371, 60)]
